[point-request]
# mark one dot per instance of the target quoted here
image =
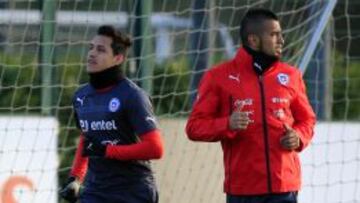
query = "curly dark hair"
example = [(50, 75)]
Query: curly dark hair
[(120, 42)]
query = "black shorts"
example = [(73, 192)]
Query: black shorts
[(288, 197), (135, 194)]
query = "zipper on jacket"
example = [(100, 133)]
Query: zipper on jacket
[(230, 143), (266, 134)]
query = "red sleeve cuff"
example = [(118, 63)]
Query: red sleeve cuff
[(221, 125), (222, 128)]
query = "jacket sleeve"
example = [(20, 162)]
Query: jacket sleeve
[(79, 166), (150, 147), (204, 124), (303, 115)]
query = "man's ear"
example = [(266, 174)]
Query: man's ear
[(254, 42), (119, 59)]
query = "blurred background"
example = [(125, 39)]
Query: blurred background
[(43, 47)]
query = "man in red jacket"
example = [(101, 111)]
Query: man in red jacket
[(257, 107)]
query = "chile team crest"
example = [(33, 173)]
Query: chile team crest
[(283, 78), (114, 104)]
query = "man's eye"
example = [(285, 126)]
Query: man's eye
[(101, 50)]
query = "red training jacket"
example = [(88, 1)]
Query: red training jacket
[(254, 161)]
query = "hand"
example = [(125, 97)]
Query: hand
[(239, 120), (291, 139), (92, 148), (70, 191)]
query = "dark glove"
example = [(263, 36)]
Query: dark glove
[(92, 148), (70, 190)]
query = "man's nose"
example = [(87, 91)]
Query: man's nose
[(91, 54), (281, 40)]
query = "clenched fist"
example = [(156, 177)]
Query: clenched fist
[(291, 139), (239, 120)]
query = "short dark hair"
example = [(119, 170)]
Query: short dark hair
[(120, 42), (253, 20)]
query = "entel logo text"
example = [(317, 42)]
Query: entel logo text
[(97, 125)]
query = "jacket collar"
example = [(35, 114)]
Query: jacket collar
[(244, 61)]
